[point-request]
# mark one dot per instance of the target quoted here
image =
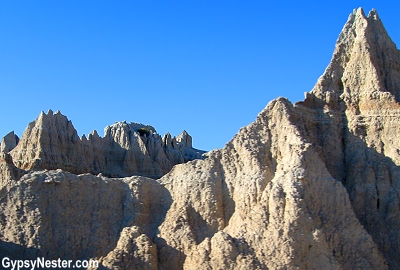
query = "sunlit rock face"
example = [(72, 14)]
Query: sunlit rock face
[(51, 142)]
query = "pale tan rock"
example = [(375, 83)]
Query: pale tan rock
[(8, 172), (270, 193), (184, 139), (9, 142), (134, 251), (356, 118), (308, 186), (51, 142), (55, 214)]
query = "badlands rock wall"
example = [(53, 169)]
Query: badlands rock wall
[(356, 103), (311, 185), (56, 214), (51, 142)]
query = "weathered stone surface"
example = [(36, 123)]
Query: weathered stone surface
[(309, 186), (314, 185), (51, 142), (134, 251), (56, 214), (8, 172), (9, 142), (356, 117), (271, 196)]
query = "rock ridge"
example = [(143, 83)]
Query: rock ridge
[(51, 142)]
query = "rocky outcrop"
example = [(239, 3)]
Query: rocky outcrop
[(8, 172), (134, 250), (308, 186), (266, 201), (61, 215), (9, 142), (356, 104), (311, 185), (51, 142)]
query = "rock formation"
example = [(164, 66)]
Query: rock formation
[(9, 142), (51, 142), (311, 185)]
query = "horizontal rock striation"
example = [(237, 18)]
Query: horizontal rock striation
[(51, 142)]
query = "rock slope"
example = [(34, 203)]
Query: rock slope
[(311, 185), (51, 142)]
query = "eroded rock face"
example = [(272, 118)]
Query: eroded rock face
[(266, 200), (314, 185), (134, 250), (356, 112), (56, 214), (51, 142), (9, 142)]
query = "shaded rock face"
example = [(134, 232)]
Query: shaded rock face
[(9, 142), (51, 142), (314, 185)]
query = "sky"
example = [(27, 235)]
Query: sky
[(207, 67)]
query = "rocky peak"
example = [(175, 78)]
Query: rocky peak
[(355, 111), (364, 66), (125, 134), (42, 140), (184, 139), (167, 140), (9, 142)]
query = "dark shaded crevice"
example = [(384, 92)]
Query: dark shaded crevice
[(228, 204), (198, 225), (168, 256), (340, 86)]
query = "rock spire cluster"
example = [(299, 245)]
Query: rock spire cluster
[(51, 142)]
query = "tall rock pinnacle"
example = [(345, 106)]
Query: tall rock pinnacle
[(365, 63), (356, 112)]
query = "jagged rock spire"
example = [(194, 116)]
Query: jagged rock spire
[(185, 139), (365, 61)]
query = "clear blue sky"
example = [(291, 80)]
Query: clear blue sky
[(205, 66)]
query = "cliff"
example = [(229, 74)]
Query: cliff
[(311, 185)]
